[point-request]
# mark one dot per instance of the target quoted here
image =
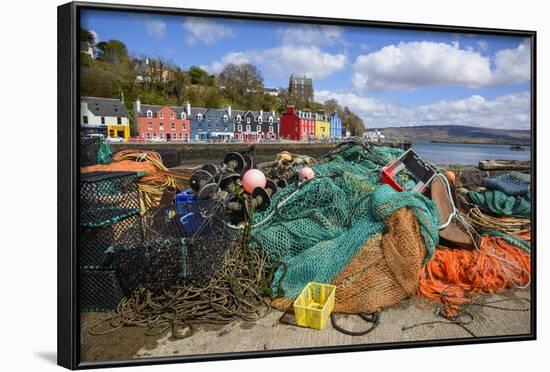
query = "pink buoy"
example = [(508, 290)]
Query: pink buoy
[(252, 179), (306, 174)]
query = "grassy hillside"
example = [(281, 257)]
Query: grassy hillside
[(456, 134)]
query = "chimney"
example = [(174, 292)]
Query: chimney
[(122, 96), (228, 108), (261, 113), (187, 108), (138, 105)]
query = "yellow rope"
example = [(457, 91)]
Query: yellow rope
[(151, 186), (509, 225)]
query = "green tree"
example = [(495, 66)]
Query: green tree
[(87, 36), (242, 84), (198, 76), (113, 51)]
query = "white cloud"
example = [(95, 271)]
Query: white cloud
[(155, 27), (482, 45), (281, 61), (311, 35), (96, 36), (511, 111), (414, 64), (202, 30), (513, 65)]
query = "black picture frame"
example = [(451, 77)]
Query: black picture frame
[(68, 321)]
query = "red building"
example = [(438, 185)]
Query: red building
[(162, 123), (297, 125)]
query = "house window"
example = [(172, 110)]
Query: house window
[(248, 128), (181, 135), (150, 126), (183, 126), (173, 125), (183, 115), (149, 113), (238, 118), (161, 126), (172, 116), (155, 135), (225, 118), (271, 119), (161, 135), (102, 120), (148, 135), (270, 129), (119, 121), (248, 120), (85, 120), (259, 120), (239, 128), (259, 128), (217, 128), (161, 115), (199, 116)]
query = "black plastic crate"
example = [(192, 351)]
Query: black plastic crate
[(99, 290), (108, 197)]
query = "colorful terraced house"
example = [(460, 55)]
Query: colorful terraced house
[(322, 126), (297, 125), (163, 123), (105, 116), (335, 126)]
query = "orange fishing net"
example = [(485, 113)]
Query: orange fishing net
[(384, 272), (454, 276)]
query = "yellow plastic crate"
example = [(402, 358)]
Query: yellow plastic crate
[(313, 306)]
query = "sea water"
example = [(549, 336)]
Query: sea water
[(467, 154)]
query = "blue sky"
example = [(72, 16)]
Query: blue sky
[(388, 77)]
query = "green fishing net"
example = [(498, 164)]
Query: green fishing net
[(502, 204), (316, 227)]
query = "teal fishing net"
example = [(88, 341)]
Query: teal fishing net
[(315, 228), (502, 204)]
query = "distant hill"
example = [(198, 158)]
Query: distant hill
[(456, 134)]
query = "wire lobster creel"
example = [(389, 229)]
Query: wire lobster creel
[(171, 245)]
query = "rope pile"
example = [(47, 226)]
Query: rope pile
[(454, 276), (510, 225), (237, 290), (152, 185)]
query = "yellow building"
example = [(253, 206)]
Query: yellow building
[(105, 116), (322, 127), (122, 131)]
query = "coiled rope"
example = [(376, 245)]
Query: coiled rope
[(237, 290)]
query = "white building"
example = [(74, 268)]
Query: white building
[(374, 136), (106, 116), (87, 48)]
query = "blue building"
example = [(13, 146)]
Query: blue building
[(198, 126), (335, 126)]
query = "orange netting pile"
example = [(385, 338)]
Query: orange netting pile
[(454, 276), (383, 273), (152, 185)]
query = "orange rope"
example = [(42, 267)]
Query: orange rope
[(155, 181), (454, 276)]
